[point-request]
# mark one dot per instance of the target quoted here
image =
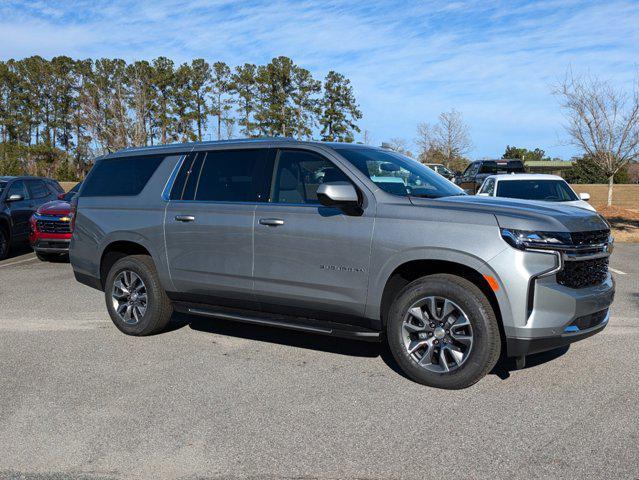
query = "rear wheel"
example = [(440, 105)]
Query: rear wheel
[(443, 332), (137, 303)]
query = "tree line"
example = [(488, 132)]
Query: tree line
[(57, 115)]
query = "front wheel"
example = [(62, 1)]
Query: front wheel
[(443, 332), (137, 303)]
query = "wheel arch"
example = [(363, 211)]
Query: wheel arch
[(401, 273), (116, 250)]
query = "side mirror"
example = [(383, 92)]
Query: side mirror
[(584, 196), (16, 197), (337, 194)]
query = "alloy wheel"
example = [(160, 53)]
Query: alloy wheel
[(437, 334), (129, 297)]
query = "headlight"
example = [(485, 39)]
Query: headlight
[(524, 239)]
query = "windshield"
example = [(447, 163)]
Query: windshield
[(548, 190), (397, 174), (69, 195)]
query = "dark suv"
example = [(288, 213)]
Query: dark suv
[(339, 239), (19, 198), (476, 172)]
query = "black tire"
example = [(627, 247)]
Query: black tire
[(158, 307), (486, 343), (4, 243)]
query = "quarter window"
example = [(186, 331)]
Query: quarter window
[(120, 176), (298, 174)]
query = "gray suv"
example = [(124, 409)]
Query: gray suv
[(344, 240)]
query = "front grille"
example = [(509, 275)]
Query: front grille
[(589, 321), (595, 237), (583, 273), (53, 226)]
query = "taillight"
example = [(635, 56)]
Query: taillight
[(73, 212)]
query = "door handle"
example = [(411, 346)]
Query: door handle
[(271, 222), (185, 218)]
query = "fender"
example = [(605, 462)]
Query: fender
[(378, 282)]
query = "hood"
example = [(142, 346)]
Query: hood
[(56, 207), (523, 214)]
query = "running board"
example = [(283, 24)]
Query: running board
[(299, 324)]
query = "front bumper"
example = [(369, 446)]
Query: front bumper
[(517, 347), (51, 245)]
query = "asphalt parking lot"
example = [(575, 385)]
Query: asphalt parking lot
[(220, 400)]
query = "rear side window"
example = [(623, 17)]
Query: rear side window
[(38, 189), (224, 176), (116, 177)]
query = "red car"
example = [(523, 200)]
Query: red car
[(50, 227)]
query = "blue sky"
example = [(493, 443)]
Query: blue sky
[(495, 61)]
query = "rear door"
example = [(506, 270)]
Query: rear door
[(209, 225), (310, 259)]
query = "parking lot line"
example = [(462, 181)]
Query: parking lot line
[(18, 263), (614, 270)]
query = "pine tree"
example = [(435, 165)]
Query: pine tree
[(305, 102), (222, 103), (339, 109), (200, 89), (244, 85)]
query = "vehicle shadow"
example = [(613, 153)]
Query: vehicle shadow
[(279, 336), (335, 345), (506, 365)]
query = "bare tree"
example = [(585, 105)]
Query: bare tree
[(450, 136), (602, 121), (398, 145)]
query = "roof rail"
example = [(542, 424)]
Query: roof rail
[(209, 142)]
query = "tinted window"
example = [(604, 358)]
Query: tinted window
[(471, 170), (398, 174), (2, 186), (548, 190), (230, 176), (38, 189), (298, 174), (18, 188), (488, 167), (120, 176)]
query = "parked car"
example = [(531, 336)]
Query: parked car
[(442, 170), (534, 186), (19, 198), (50, 227), (476, 172), (245, 231)]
